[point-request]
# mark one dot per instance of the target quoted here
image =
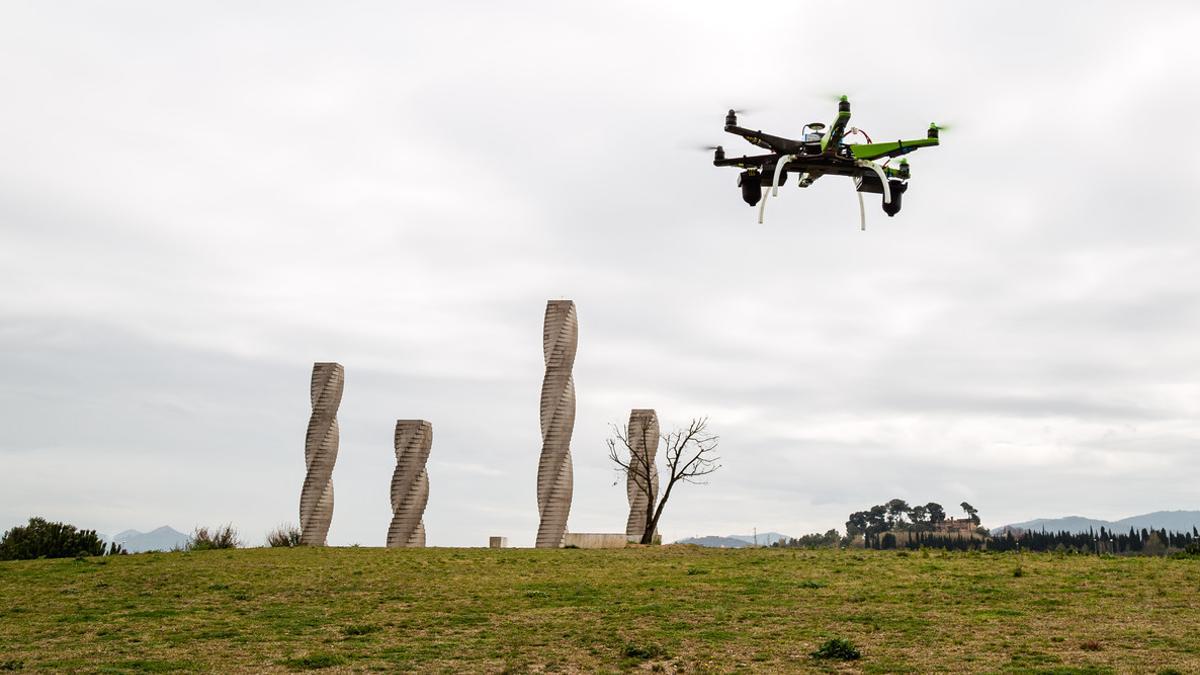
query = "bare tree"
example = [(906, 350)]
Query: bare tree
[(689, 456)]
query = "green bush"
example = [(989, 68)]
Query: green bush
[(285, 535), (837, 648), (43, 539), (315, 661), (644, 652), (221, 537)]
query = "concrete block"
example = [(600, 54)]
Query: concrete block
[(595, 539)]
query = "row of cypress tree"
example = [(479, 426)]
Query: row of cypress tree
[(1147, 541)]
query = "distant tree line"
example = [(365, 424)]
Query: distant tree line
[(1144, 541), (831, 539), (1133, 542)]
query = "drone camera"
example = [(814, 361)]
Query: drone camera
[(751, 184), (897, 189)]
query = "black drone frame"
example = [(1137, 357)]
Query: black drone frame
[(819, 154)]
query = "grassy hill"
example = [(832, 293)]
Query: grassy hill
[(670, 608)]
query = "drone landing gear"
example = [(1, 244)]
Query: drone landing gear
[(883, 181), (775, 183)]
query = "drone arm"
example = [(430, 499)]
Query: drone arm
[(776, 143), (838, 129), (869, 151), (744, 162)]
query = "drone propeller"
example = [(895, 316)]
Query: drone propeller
[(732, 114), (941, 127), (833, 97)]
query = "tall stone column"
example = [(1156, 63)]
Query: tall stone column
[(320, 452), (560, 335), (643, 448), (410, 483)]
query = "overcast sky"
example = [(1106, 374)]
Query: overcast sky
[(198, 201)]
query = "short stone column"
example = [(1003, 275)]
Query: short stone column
[(410, 483), (643, 450)]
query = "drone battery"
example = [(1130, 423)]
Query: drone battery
[(760, 179), (869, 183)]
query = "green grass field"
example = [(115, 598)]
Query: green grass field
[(668, 608)]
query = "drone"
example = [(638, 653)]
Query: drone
[(823, 153)]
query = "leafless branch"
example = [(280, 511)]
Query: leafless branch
[(689, 454)]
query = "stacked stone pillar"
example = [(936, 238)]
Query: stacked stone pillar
[(560, 335), (320, 453), (410, 483), (643, 449)]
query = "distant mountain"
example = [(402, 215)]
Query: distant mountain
[(764, 538), (715, 542), (164, 538), (735, 540), (1175, 521)]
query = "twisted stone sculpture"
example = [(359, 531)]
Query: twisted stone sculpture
[(560, 335), (320, 452), (410, 483), (643, 447)]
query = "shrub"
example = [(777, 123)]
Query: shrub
[(315, 661), (837, 648), (43, 539), (644, 652), (285, 535), (204, 540)]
